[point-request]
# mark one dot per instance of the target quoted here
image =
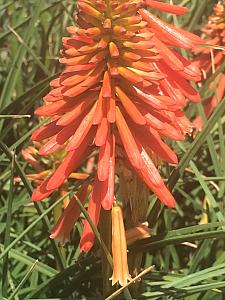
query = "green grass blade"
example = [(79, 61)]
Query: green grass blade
[(199, 140), (29, 261), (6, 95), (8, 228), (23, 281), (208, 193), (32, 225), (38, 206)]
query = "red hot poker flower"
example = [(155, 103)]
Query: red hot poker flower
[(123, 84), (210, 60)]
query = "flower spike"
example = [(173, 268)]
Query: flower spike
[(122, 92), (210, 59)]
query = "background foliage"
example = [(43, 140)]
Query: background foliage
[(187, 246)]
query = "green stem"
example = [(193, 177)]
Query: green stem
[(57, 211), (106, 234)]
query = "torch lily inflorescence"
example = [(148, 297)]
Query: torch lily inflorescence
[(122, 91), (211, 59)]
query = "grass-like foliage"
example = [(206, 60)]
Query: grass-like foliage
[(187, 244)]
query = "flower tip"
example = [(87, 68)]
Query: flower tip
[(123, 281), (40, 193), (52, 236), (166, 197), (86, 247), (37, 111), (33, 137), (198, 98), (174, 160), (61, 239), (107, 204), (87, 238), (42, 152), (198, 123), (36, 196), (170, 202)]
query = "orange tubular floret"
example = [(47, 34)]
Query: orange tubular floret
[(166, 7), (70, 215), (119, 249)]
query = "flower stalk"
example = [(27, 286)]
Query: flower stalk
[(105, 226)]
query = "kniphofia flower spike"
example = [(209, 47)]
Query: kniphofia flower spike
[(211, 59), (123, 89)]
